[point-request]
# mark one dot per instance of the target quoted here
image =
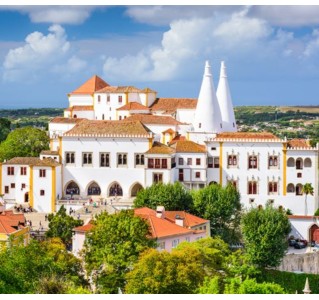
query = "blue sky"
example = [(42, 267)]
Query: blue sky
[(271, 52)]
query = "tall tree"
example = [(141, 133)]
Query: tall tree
[(171, 196), (220, 205), (113, 246), (307, 189), (265, 232), (27, 141), (61, 226)]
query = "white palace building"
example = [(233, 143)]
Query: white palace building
[(115, 140)]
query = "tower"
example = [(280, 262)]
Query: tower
[(207, 114), (225, 102)]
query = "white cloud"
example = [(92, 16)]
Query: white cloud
[(54, 14), (73, 65), (312, 46), (287, 15), (39, 53)]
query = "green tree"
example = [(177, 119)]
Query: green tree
[(211, 285), (5, 126), (250, 286), (265, 232), (307, 189), (27, 141), (113, 246), (61, 226), (220, 205), (182, 271), (24, 267), (171, 196)]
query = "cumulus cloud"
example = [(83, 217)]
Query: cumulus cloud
[(54, 14), (39, 53)]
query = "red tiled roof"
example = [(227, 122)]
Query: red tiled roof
[(169, 130), (84, 228), (133, 106), (66, 120), (153, 119), (172, 104), (119, 89), (188, 147), (247, 135), (9, 220), (298, 143), (32, 161), (94, 84), (189, 220), (159, 148), (178, 138)]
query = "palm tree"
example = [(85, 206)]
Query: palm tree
[(307, 189)]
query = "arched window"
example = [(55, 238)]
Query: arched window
[(307, 163), (290, 188), (115, 190), (299, 189), (252, 188), (291, 162), (72, 189), (135, 189), (94, 189)]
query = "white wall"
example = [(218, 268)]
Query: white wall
[(80, 100)]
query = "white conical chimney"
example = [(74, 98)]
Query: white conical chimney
[(207, 115), (225, 102)]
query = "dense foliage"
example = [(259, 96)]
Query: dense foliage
[(25, 268), (113, 246), (61, 226), (171, 196), (265, 232), (24, 142), (5, 126), (220, 205)]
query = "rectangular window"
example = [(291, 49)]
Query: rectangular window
[(150, 164), (181, 174), (122, 159), (139, 159), (232, 160), (273, 161), (164, 163), (23, 186), (180, 161), (175, 243), (98, 98), (157, 163), (197, 175), (197, 161), (104, 159), (189, 161), (272, 187), (23, 171), (42, 192), (108, 98), (69, 157), (252, 187), (42, 173), (6, 189), (157, 177), (161, 246), (86, 158), (252, 162), (10, 171), (13, 185), (120, 99)]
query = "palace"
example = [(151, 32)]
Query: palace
[(115, 140)]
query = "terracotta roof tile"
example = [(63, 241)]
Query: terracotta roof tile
[(80, 108), (246, 135), (298, 143), (133, 106), (148, 90), (178, 138), (94, 84), (188, 147), (153, 119), (159, 148), (84, 228), (49, 152), (8, 221), (32, 161), (109, 129), (66, 120), (172, 104), (119, 89), (169, 130), (189, 220)]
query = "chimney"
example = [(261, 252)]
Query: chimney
[(179, 220), (307, 290), (160, 212)]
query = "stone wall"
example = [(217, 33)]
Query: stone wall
[(306, 263)]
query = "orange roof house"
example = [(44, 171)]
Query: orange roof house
[(92, 85)]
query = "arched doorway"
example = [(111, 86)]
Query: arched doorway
[(314, 233), (135, 189), (26, 197), (94, 189), (72, 189), (115, 190)]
